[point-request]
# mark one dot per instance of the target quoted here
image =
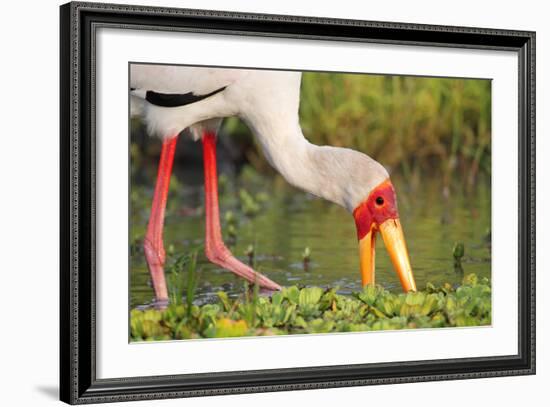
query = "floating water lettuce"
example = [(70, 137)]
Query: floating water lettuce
[(297, 310)]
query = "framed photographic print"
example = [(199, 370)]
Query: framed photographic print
[(256, 203)]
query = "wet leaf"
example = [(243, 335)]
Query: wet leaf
[(292, 294), (227, 328), (369, 294), (470, 279), (309, 296), (415, 298), (224, 299), (458, 251)]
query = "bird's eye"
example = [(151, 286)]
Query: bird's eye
[(379, 201)]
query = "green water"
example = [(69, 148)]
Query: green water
[(290, 221)]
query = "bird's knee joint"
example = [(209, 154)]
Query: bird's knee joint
[(215, 255), (154, 253)]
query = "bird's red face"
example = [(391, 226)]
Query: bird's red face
[(378, 213)]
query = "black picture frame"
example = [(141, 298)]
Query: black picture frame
[(78, 382)]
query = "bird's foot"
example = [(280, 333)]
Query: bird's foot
[(160, 304), (220, 255)]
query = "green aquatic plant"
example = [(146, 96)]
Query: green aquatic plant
[(192, 281), (306, 258), (231, 224), (306, 254), (458, 251), (296, 310), (249, 205), (232, 232), (458, 254), (249, 252), (230, 218), (184, 264)]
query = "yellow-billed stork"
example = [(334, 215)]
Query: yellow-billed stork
[(174, 98)]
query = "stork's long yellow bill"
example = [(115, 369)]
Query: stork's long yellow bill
[(394, 240)]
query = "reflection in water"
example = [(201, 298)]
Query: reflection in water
[(291, 220)]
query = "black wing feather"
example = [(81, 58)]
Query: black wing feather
[(176, 99)]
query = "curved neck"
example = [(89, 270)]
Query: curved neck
[(314, 169)]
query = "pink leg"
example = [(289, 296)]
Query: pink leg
[(215, 249), (153, 244)]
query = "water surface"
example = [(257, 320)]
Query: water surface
[(291, 220)]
